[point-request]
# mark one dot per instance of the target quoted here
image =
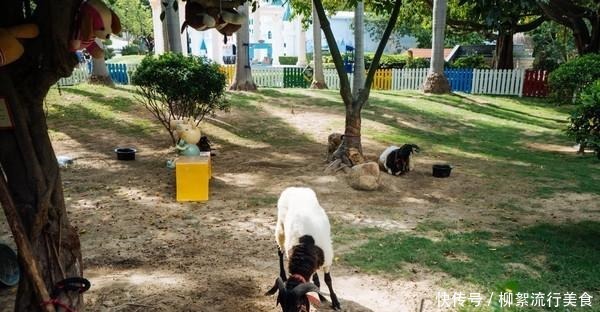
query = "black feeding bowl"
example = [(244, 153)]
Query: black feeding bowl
[(441, 170), (9, 267), (125, 153)]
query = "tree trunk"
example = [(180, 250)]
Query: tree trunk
[(27, 157), (242, 81), (350, 151), (173, 27), (436, 81), (100, 73), (318, 81), (359, 49), (504, 51)]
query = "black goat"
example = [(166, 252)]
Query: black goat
[(305, 259), (398, 160)]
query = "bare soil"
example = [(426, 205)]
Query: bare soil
[(143, 251)]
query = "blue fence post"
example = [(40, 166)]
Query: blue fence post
[(459, 79), (118, 73)]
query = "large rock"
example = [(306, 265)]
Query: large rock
[(364, 176)]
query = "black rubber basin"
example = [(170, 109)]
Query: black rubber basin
[(441, 170), (125, 153)]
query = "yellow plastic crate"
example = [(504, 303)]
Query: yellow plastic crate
[(192, 175)]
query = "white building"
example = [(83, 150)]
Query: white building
[(272, 34)]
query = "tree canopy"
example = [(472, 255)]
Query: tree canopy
[(135, 16)]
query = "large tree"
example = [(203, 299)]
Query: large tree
[(242, 80), (350, 150), (436, 81), (136, 17), (359, 48), (318, 80), (27, 157), (170, 17), (581, 16), (505, 19)]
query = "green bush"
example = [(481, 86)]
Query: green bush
[(288, 60), (584, 124), (542, 62), (131, 50), (109, 53), (387, 60), (173, 86), (567, 81), (417, 63), (471, 61)]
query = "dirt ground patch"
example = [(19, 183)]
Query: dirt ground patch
[(143, 251)]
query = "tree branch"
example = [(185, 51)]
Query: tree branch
[(530, 26), (345, 90), (364, 93)]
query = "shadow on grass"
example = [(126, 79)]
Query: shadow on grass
[(500, 143), (542, 258), (117, 103), (279, 94), (488, 109), (85, 120), (77, 115), (470, 133)]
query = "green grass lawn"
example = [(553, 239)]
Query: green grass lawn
[(495, 135), (503, 140), (126, 59)]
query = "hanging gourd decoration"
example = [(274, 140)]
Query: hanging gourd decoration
[(94, 20), (203, 15)]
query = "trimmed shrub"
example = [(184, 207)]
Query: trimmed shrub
[(173, 86), (584, 124), (131, 49), (471, 61), (567, 81), (417, 63), (541, 62), (288, 60), (109, 53)]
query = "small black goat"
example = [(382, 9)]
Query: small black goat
[(293, 295), (398, 160), (204, 144)]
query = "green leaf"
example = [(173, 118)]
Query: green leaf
[(165, 4), (175, 5), (162, 15)]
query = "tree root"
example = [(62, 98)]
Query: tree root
[(336, 166)]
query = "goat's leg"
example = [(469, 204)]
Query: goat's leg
[(318, 284), (334, 300), (281, 267)]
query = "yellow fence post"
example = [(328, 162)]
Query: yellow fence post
[(229, 71)]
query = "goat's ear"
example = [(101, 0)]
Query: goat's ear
[(279, 285), (313, 298), (304, 288)]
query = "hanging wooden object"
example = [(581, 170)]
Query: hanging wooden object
[(221, 15), (27, 259)]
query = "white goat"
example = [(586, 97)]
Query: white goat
[(303, 233)]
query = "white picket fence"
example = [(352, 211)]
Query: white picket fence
[(268, 76), (79, 75), (408, 78), (498, 81), (333, 80), (484, 81)]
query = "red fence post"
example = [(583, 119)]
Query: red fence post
[(535, 83)]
